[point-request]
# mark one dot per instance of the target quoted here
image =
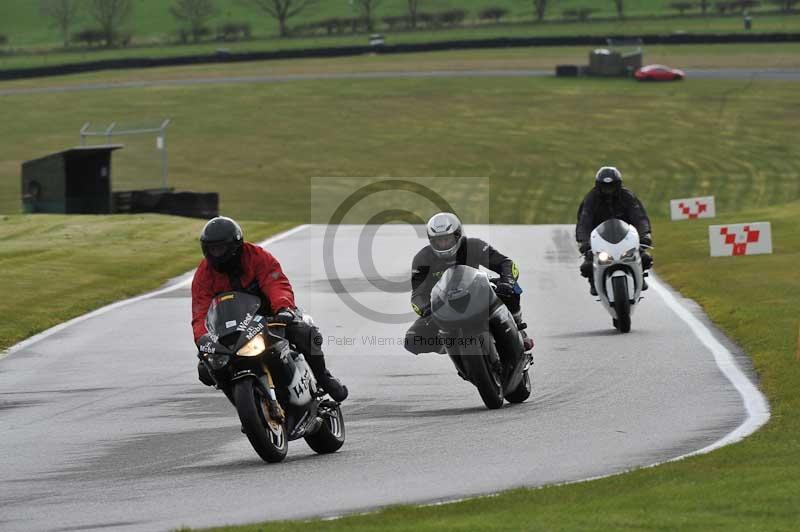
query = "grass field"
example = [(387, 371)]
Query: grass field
[(749, 486), (22, 59), (79, 263), (151, 22), (539, 140), (32, 43)]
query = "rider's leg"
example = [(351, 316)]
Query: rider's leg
[(421, 337), (647, 263), (308, 340), (587, 270), (514, 306), (206, 378)]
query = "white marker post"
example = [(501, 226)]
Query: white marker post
[(692, 208), (740, 239)]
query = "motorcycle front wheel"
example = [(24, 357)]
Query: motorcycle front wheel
[(267, 436), (522, 391), (485, 379), (621, 304)]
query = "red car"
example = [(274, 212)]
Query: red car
[(658, 73)]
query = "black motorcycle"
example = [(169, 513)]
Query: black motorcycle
[(267, 380), (479, 334)]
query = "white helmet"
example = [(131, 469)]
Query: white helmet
[(445, 234)]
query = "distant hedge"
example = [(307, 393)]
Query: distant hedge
[(493, 13), (92, 36), (234, 31), (338, 25)]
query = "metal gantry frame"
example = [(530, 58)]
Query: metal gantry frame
[(112, 131)]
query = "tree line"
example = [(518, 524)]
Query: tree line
[(111, 17), (730, 6)]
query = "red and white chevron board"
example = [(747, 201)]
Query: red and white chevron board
[(692, 208), (740, 239)]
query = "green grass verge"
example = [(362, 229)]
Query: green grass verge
[(538, 140), (151, 21), (24, 52), (749, 486), (64, 266)]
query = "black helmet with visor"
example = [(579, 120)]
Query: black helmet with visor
[(608, 181), (221, 241)]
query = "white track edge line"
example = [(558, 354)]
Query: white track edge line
[(755, 404), (113, 306)]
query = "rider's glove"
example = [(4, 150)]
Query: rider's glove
[(585, 246), (505, 288), (422, 312), (285, 315), (204, 344), (646, 240)]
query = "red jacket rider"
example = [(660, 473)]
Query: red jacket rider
[(257, 265), (228, 257)]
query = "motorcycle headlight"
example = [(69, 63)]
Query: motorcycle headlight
[(629, 255), (604, 258), (217, 361), (253, 348)]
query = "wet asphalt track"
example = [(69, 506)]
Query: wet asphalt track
[(730, 73), (105, 426)]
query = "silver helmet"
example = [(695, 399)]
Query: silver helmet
[(445, 234)]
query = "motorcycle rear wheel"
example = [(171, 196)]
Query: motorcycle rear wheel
[(622, 304), (267, 436), (330, 436)]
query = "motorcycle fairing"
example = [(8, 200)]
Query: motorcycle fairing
[(630, 267)]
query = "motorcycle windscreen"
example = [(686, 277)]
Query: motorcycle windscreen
[(613, 231), (463, 294), (230, 310)]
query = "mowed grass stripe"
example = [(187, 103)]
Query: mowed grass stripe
[(539, 140)]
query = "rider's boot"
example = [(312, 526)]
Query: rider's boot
[(326, 380), (592, 289), (647, 263), (527, 341), (333, 386)]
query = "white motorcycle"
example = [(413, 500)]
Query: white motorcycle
[(618, 273)]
